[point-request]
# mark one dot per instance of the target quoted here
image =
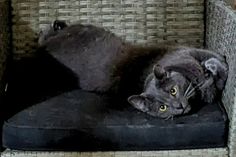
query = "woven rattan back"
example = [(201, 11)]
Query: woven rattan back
[(145, 22), (138, 21)]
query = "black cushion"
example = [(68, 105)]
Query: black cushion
[(83, 121)]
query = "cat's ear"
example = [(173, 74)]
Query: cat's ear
[(159, 72), (138, 102)]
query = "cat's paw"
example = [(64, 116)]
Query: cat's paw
[(50, 30), (212, 65), (218, 69), (58, 25)]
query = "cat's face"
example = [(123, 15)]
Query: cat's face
[(165, 94)]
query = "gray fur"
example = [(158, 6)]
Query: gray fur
[(104, 63), (88, 51), (182, 68)]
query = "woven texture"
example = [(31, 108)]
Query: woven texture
[(221, 37), (221, 152), (232, 3), (145, 22)]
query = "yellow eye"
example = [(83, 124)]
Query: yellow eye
[(163, 108), (173, 91)]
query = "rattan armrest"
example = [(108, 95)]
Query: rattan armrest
[(221, 37)]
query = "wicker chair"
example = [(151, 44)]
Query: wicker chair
[(147, 22)]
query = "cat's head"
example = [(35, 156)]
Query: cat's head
[(165, 94)]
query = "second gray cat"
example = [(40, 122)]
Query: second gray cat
[(161, 80)]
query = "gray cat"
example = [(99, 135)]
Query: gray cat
[(167, 77), (178, 76)]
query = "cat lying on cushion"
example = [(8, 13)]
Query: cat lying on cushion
[(166, 77), (177, 77)]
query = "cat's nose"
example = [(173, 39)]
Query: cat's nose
[(179, 106)]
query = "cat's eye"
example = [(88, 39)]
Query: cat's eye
[(163, 108), (173, 91)]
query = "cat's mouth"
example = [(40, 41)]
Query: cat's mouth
[(186, 109), (183, 110)]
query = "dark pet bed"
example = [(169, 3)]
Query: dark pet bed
[(62, 117)]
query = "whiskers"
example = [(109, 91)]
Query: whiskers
[(170, 117), (191, 90), (188, 89)]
